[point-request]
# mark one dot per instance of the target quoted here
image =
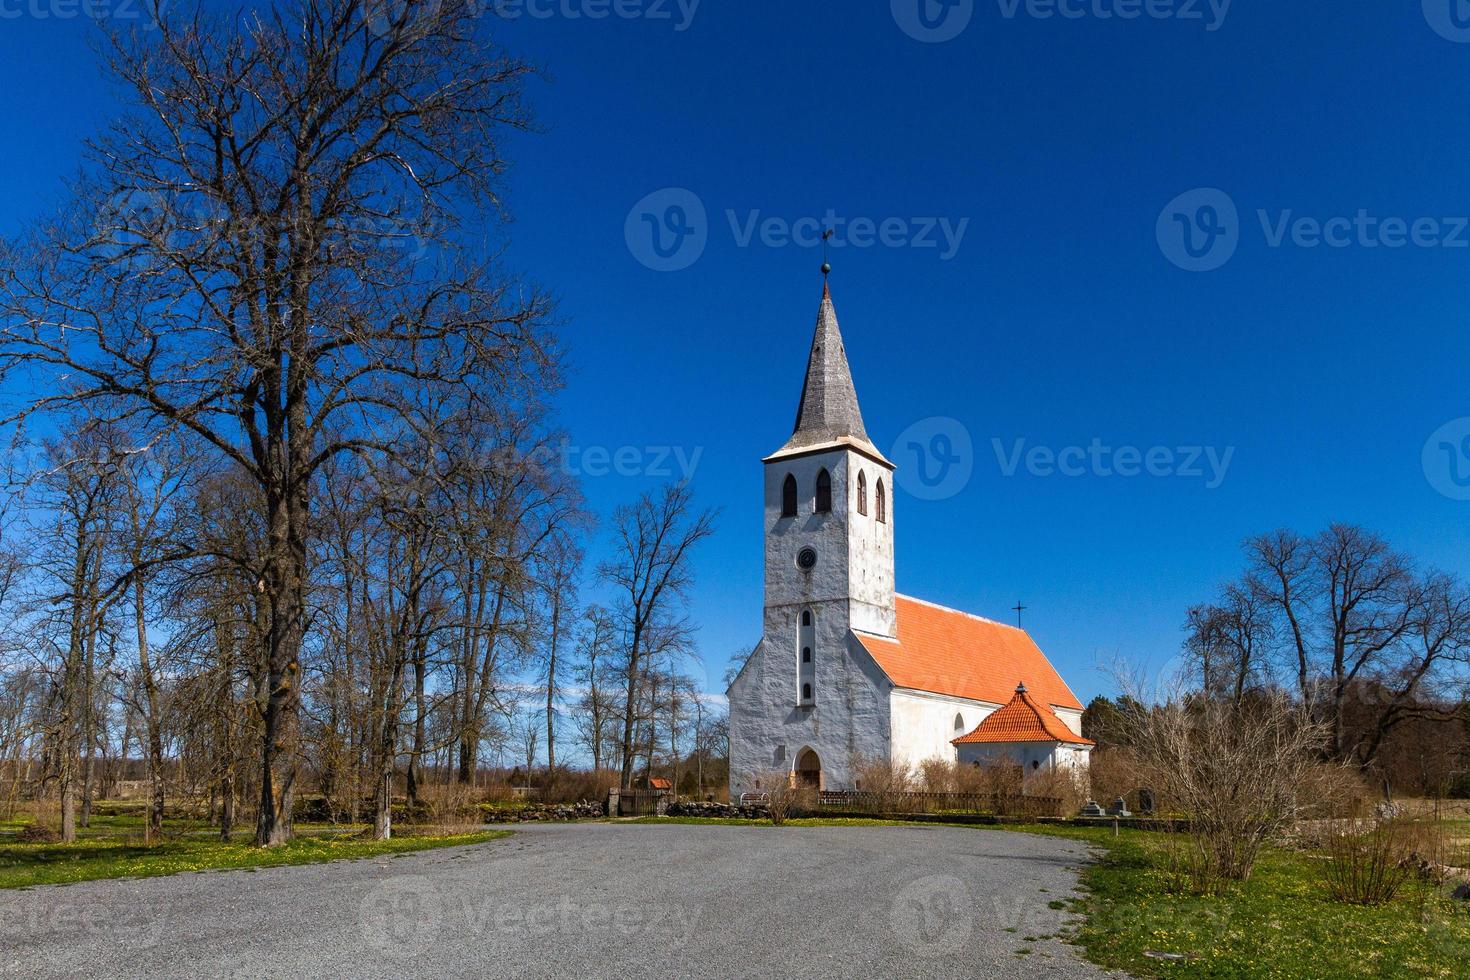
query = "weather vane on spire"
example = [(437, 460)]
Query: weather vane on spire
[(826, 265)]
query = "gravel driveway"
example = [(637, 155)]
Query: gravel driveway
[(584, 900)]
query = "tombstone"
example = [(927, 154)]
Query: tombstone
[(1092, 809), (1119, 808), (1146, 801), (1461, 894)]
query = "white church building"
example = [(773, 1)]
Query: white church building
[(849, 670)]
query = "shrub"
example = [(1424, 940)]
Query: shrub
[(576, 785), (449, 807), (1369, 865), (938, 775), (1234, 768), (1114, 772), (786, 798), (887, 787), (498, 792), (1062, 785)]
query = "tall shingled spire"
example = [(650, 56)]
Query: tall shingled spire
[(829, 411)]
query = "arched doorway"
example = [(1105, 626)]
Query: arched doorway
[(809, 769)]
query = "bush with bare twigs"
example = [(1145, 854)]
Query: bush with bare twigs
[(1234, 768), (1061, 785), (1113, 772), (449, 808), (886, 787), (1370, 862), (786, 797), (577, 785)]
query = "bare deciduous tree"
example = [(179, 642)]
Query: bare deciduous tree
[(651, 571), (265, 255)]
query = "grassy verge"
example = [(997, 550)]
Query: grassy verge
[(25, 865), (112, 848), (1279, 924)]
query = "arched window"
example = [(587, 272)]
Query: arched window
[(824, 492), (862, 493), (959, 724), (806, 692), (788, 497), (806, 655), (880, 501), (806, 617)]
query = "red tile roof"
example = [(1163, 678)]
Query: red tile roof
[(945, 651), (1022, 720)]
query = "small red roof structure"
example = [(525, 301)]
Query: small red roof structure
[(1023, 720), (658, 782), (945, 651)]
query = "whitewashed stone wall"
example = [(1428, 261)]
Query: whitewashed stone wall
[(924, 724), (769, 729), (1071, 718)]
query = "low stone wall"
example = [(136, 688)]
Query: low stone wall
[(696, 808), (584, 810)]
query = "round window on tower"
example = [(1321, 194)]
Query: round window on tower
[(806, 559)]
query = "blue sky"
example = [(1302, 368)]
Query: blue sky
[(1068, 150)]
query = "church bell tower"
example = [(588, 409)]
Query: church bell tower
[(828, 522)]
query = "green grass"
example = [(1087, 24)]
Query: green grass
[(1279, 924), (26, 865), (112, 848)]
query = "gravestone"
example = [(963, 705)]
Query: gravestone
[(1119, 808), (1146, 801), (1091, 809)]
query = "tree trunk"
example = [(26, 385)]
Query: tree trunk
[(551, 686), (153, 829), (420, 702), (281, 732)]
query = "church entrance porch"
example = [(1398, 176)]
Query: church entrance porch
[(809, 769)]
